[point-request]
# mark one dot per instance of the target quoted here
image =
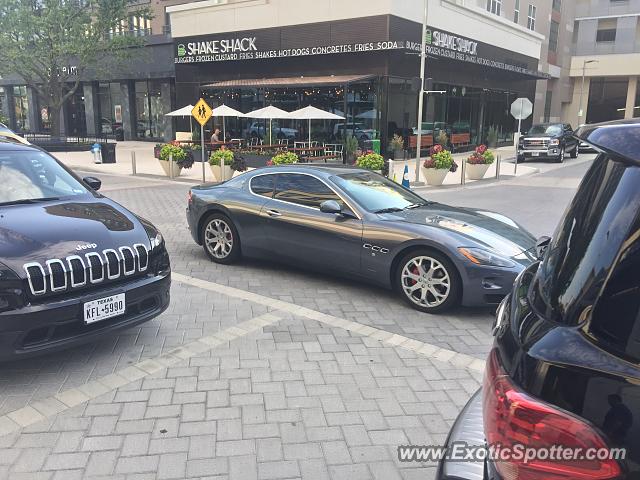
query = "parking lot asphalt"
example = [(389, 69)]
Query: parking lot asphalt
[(258, 370)]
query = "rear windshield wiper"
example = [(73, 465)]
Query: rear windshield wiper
[(389, 210), (28, 201)]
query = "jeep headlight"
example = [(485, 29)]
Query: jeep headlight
[(156, 240), (10, 290)]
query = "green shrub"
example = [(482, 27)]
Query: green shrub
[(371, 161), (221, 154), (440, 159), (284, 158), (183, 156)]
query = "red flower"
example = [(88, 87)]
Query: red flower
[(480, 149), (270, 163)]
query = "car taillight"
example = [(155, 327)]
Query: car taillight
[(513, 418)]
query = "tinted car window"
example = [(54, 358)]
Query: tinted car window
[(374, 192), (263, 185), (33, 175), (599, 225), (303, 190), (545, 130)]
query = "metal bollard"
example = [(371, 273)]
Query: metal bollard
[(498, 164), (391, 175), (171, 166), (463, 179), (134, 170)]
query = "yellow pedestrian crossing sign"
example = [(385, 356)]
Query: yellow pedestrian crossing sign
[(201, 112)]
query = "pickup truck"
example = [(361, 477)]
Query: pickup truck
[(548, 141)]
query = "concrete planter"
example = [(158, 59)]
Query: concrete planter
[(476, 172), (167, 170), (435, 176), (221, 175)]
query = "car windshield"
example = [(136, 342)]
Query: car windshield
[(374, 192), (600, 222), (33, 175), (545, 130)]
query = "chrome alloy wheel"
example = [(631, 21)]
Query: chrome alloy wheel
[(218, 238), (425, 281)]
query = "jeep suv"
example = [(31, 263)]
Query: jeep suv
[(549, 141), (74, 265), (565, 366)]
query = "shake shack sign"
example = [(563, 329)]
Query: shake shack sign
[(250, 48), (452, 42)]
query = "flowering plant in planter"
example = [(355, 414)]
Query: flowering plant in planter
[(181, 156), (221, 154), (440, 159), (283, 158), (371, 161), (481, 156)]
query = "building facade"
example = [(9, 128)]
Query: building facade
[(128, 101), (359, 59), (605, 63)]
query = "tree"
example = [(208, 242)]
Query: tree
[(52, 44)]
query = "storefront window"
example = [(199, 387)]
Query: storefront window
[(21, 106), (607, 99), (149, 110), (362, 111)]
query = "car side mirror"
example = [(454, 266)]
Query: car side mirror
[(330, 206), (93, 182), (542, 245)]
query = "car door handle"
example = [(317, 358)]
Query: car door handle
[(274, 213)]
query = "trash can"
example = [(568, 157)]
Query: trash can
[(108, 152), (96, 149)]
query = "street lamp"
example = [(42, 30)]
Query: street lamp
[(584, 68), (423, 55)]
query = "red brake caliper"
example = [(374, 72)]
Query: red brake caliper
[(414, 270)]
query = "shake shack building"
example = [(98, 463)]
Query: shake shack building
[(359, 59)]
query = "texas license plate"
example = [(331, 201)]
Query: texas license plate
[(104, 308), (535, 154)]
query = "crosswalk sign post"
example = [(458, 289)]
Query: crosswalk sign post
[(202, 113)]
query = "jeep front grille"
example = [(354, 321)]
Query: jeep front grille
[(59, 275)]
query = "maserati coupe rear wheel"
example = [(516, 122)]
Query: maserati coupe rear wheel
[(220, 239), (428, 281)]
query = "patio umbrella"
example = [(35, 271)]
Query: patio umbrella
[(313, 113), (270, 113), (224, 111), (368, 115), (183, 112)]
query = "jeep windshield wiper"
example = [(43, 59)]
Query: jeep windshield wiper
[(28, 201), (416, 205), (389, 210)]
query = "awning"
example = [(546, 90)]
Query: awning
[(290, 81)]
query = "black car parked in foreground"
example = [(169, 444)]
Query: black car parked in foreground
[(357, 223), (548, 141), (74, 265), (565, 366)]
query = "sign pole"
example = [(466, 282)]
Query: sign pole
[(202, 146), (515, 170)]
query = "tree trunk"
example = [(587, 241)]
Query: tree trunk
[(54, 118)]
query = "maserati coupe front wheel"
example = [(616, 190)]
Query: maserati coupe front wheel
[(428, 281)]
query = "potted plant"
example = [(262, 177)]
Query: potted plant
[(180, 158), (220, 163), (371, 161), (350, 147), (492, 137), (239, 164), (436, 167), (442, 138), (283, 158), (478, 163), (397, 145)]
